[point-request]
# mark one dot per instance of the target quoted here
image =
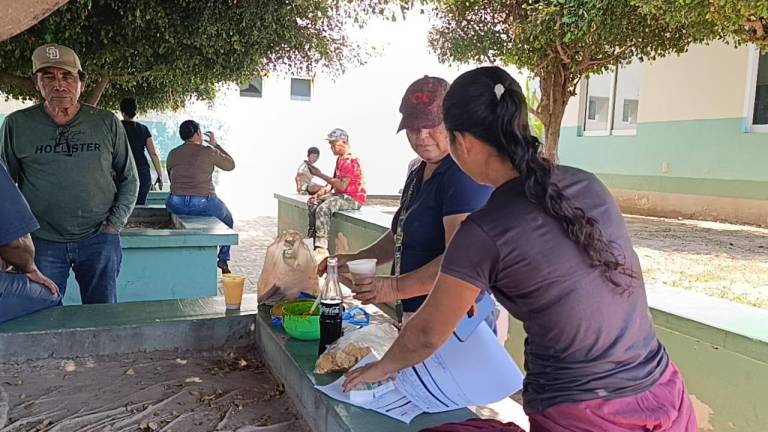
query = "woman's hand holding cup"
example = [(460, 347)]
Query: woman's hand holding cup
[(375, 289)]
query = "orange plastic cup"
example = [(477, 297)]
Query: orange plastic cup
[(233, 286)]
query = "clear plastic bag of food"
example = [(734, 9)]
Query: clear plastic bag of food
[(289, 269), (354, 346)]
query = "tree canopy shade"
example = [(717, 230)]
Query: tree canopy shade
[(165, 51), (562, 41), (731, 20)]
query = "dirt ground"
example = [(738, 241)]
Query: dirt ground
[(159, 391), (717, 259)]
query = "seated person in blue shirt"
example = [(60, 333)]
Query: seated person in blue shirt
[(436, 198), (23, 289)]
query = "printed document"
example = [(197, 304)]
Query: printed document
[(478, 371)]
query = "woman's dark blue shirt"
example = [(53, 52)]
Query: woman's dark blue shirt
[(448, 192)]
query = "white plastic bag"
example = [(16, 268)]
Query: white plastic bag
[(289, 269), (346, 352)]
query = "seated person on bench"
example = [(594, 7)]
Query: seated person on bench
[(23, 289)]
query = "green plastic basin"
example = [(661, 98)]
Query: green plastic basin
[(298, 324)]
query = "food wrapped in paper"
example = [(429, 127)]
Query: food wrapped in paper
[(355, 345)]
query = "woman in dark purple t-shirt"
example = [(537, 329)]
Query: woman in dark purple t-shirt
[(552, 246)]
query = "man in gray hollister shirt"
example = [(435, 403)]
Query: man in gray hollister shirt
[(73, 164)]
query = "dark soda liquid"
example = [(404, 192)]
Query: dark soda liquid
[(330, 323)]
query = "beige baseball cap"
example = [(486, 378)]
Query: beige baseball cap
[(54, 55)]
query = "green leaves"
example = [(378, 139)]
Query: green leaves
[(165, 52), (561, 41), (737, 21)]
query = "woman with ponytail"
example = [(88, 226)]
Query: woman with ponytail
[(140, 139), (552, 246)]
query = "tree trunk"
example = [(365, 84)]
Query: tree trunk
[(95, 95), (555, 93), (24, 83), (17, 16)]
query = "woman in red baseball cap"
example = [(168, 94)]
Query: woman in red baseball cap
[(437, 196)]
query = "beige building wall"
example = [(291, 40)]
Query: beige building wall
[(707, 82), (572, 112)]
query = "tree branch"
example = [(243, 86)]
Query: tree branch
[(95, 95), (23, 83), (588, 63), (563, 53), (535, 111), (757, 26)]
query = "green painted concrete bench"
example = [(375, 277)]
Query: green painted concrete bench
[(157, 198), (721, 347), (160, 264), (197, 324)]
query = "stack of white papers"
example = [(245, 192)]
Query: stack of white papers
[(478, 371)]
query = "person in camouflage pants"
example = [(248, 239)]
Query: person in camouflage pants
[(345, 190), (320, 216)]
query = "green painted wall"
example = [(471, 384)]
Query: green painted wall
[(167, 264), (706, 157), (160, 274)]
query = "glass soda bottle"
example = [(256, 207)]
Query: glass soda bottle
[(331, 308)]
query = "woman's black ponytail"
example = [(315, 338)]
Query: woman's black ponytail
[(489, 104)]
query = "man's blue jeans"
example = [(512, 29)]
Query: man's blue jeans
[(19, 296), (96, 262), (211, 205)]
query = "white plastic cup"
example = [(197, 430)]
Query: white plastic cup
[(362, 267)]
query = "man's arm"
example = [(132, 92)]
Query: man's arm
[(338, 184), (126, 180), (20, 254), (155, 160), (221, 158)]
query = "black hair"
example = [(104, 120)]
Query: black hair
[(313, 150), (472, 106), (188, 129), (129, 107)]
